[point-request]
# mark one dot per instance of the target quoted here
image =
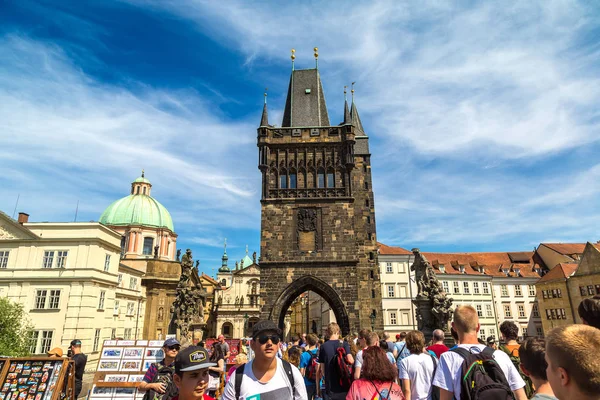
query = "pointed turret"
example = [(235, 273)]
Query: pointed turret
[(264, 121), (224, 267), (305, 104), (356, 122), (347, 115)]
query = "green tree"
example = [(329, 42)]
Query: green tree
[(15, 329)]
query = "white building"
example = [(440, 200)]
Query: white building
[(68, 277)]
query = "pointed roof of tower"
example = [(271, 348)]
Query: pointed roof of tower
[(264, 120), (356, 119), (305, 104), (347, 115), (224, 267)]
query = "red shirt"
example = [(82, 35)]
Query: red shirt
[(438, 349)]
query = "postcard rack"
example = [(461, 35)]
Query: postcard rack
[(37, 378)]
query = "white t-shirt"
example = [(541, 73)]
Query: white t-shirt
[(276, 389), (358, 362), (419, 369), (448, 372)]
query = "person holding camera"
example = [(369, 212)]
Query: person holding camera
[(80, 361)]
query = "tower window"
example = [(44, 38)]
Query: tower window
[(367, 204), (321, 179), (137, 191), (330, 180), (283, 181), (367, 185), (144, 190), (372, 274), (293, 181), (148, 244), (368, 220)]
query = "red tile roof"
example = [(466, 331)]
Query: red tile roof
[(389, 250), (492, 263), (566, 248), (209, 278), (560, 272)]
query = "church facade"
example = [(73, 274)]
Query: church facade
[(318, 227)]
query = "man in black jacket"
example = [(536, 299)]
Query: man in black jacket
[(80, 360)]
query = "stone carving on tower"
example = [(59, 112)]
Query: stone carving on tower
[(434, 307)]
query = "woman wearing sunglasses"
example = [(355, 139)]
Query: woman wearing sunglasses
[(266, 375)]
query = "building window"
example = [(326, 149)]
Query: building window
[(563, 314), (521, 309), (388, 268), (96, 340), (540, 331), (391, 291), (40, 342), (479, 310), (504, 290), (486, 288), (368, 219), (130, 306), (482, 334), (518, 291), (442, 268), (507, 313), (321, 179), (133, 283), (532, 290), (553, 312), (524, 333), (120, 280), (597, 289), (61, 259), (488, 311), (113, 333), (466, 287), (127, 334), (107, 263), (148, 244), (372, 293), (330, 180), (101, 300), (445, 286), (116, 308), (545, 294), (283, 181), (47, 299), (367, 204), (293, 181), (366, 185), (475, 287), (48, 259), (548, 314), (582, 290), (590, 290), (456, 287), (393, 320), (40, 299), (4, 258), (535, 311), (492, 332)]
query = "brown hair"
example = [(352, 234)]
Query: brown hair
[(372, 339), (312, 339), (574, 349), (332, 329), (377, 367), (465, 319), (363, 333), (589, 310), (294, 355), (532, 354), (353, 348), (415, 341)]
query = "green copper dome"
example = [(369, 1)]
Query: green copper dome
[(138, 209)]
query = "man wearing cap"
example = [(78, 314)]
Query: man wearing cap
[(191, 374), (80, 361), (266, 377), (170, 347), (491, 342)]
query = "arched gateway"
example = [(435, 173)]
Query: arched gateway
[(318, 286), (317, 209)]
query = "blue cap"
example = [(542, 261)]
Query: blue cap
[(171, 342)]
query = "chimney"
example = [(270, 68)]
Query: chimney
[(23, 218)]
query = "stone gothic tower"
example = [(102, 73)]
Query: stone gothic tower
[(317, 209)]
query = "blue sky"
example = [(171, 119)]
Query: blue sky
[(483, 116)]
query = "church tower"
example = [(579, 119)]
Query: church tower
[(318, 227)]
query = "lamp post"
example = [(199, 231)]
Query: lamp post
[(246, 317), (372, 316)]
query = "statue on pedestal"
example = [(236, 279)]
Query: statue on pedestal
[(434, 307)]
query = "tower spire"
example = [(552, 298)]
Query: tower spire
[(224, 259), (264, 120), (354, 115), (347, 117)]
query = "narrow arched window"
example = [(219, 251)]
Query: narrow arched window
[(293, 180), (330, 179), (321, 179), (137, 191), (144, 190), (283, 181)]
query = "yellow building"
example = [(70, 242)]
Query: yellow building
[(562, 289), (70, 281)]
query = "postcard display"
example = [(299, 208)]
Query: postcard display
[(35, 378), (122, 365)]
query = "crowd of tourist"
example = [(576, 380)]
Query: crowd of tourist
[(562, 366)]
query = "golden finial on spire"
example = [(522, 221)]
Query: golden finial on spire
[(142, 173), (345, 91), (293, 57), (316, 49), (353, 90)]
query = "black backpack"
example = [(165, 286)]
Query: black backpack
[(239, 375), (435, 391), (164, 374), (481, 377)]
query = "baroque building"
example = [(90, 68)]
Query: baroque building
[(317, 208)]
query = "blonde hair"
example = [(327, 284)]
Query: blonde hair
[(333, 329), (372, 338), (574, 348), (465, 319), (241, 358)]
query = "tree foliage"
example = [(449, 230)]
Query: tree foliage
[(15, 329)]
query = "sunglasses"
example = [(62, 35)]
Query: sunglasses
[(174, 347), (262, 339)]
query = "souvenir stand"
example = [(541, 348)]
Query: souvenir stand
[(122, 366), (37, 378)]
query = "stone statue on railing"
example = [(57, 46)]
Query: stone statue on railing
[(433, 306)]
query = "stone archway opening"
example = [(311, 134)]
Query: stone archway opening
[(310, 284)]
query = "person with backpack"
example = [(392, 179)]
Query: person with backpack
[(158, 380), (509, 331), (534, 365), (474, 371), (309, 363), (266, 376), (335, 365), (364, 342), (190, 376), (417, 370), (378, 378), (401, 351)]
